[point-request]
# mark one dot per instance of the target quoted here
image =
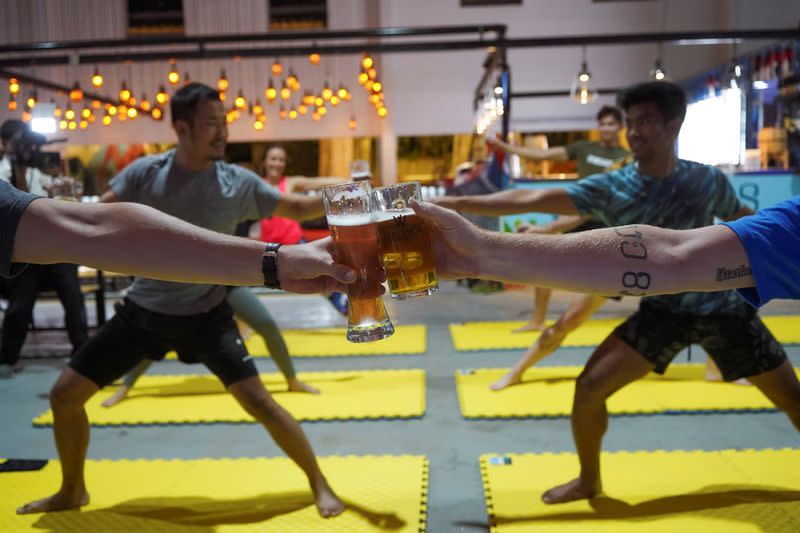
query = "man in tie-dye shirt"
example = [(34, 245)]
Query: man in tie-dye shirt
[(657, 189)]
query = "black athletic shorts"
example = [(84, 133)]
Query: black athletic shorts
[(740, 346), (135, 333)]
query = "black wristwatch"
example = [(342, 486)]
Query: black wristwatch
[(269, 266)]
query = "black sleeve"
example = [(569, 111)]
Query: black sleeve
[(12, 204)]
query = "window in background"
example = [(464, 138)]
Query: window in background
[(298, 14), (146, 17), (712, 130)]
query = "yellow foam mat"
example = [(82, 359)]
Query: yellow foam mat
[(724, 491), (331, 342), (470, 336), (190, 399), (383, 493), (548, 391)]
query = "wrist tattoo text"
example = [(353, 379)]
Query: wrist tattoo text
[(727, 274)]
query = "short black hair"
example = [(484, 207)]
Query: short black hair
[(669, 98), (609, 111), (183, 104), (10, 128)]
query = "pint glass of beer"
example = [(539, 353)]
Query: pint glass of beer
[(355, 241), (405, 243)]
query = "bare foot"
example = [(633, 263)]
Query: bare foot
[(530, 326), (121, 394), (327, 502), (506, 381), (295, 385), (57, 502), (569, 492)]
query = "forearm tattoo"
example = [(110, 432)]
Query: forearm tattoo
[(632, 247), (727, 274)]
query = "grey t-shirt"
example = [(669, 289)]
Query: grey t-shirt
[(13, 203), (217, 198)]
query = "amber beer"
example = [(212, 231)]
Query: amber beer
[(406, 255), (405, 242), (355, 241)]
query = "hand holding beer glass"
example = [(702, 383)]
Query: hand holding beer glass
[(355, 241), (405, 243)]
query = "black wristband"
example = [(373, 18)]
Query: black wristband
[(269, 266)]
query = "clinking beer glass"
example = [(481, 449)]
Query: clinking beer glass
[(405, 243), (355, 241)]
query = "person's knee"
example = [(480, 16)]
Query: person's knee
[(255, 400), (71, 391), (590, 389)]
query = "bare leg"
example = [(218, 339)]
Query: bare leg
[(288, 434), (551, 338), (541, 299), (613, 365), (71, 430), (781, 386)]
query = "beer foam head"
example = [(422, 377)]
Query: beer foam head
[(349, 220), (381, 216)]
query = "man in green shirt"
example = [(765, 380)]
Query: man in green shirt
[(592, 157)]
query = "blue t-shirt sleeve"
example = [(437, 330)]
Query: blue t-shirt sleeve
[(258, 198), (592, 196), (771, 239), (13, 203)]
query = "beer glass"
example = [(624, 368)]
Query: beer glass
[(359, 170), (405, 243), (355, 242)]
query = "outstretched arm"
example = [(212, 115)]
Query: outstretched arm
[(511, 202), (139, 240), (558, 153), (629, 260)]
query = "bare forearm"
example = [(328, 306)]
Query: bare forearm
[(563, 224), (512, 201), (300, 207), (134, 239), (631, 260)]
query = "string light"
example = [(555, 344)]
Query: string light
[(173, 77), (145, 103), (318, 101), (124, 93), (342, 92), (13, 86), (367, 61), (292, 113), (270, 93), (132, 112), (97, 78), (302, 109), (362, 77), (314, 58), (62, 124), (31, 101), (258, 125), (86, 112), (258, 109), (161, 96), (57, 112), (334, 100), (97, 104), (69, 114), (72, 125), (286, 93), (282, 113), (83, 124), (76, 94), (326, 92), (112, 110), (240, 102), (372, 73), (12, 102), (322, 110), (156, 113), (222, 82), (316, 116), (308, 98), (352, 122), (292, 81), (382, 112), (277, 68), (377, 86), (106, 120)]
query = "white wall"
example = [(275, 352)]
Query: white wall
[(427, 93)]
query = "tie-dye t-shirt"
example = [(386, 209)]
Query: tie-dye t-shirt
[(690, 197)]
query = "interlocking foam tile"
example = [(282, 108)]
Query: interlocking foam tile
[(383, 493), (331, 342), (470, 336), (548, 391), (190, 399), (724, 491)]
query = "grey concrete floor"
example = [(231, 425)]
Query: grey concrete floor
[(452, 444)]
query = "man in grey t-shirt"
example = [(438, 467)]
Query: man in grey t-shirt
[(191, 183)]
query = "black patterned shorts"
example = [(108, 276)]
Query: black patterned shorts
[(740, 346)]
